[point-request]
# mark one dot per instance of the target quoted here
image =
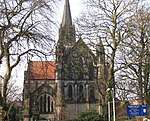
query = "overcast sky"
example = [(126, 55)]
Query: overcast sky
[(75, 6)]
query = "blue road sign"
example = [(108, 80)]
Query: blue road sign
[(137, 110)]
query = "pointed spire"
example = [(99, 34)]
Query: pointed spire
[(100, 47), (67, 19)]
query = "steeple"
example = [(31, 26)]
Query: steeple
[(67, 19), (100, 49), (67, 29)]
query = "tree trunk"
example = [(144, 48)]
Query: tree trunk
[(4, 85)]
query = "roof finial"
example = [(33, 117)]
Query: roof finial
[(67, 19)]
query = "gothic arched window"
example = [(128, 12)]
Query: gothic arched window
[(48, 103), (70, 91), (81, 93), (45, 103), (91, 71), (52, 107), (41, 102)]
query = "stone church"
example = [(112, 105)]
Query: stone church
[(61, 89)]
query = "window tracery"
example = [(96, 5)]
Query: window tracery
[(45, 103)]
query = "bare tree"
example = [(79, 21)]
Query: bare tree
[(13, 96), (25, 28), (137, 52), (14, 92), (108, 19)]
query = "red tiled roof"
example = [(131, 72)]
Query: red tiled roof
[(41, 69)]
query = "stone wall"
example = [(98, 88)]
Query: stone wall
[(73, 110)]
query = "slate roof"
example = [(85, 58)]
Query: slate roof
[(41, 69)]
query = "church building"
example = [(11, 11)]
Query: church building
[(62, 89)]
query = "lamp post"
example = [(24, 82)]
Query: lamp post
[(108, 110), (113, 100), (108, 104)]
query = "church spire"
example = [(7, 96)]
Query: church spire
[(67, 19), (67, 29)]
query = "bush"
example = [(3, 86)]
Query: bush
[(90, 115)]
